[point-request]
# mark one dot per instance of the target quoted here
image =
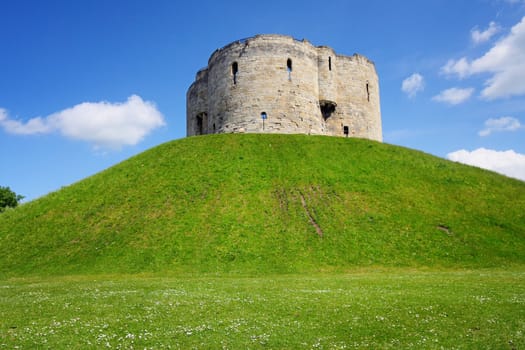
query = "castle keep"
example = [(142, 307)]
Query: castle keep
[(277, 84)]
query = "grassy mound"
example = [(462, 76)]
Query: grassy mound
[(269, 204)]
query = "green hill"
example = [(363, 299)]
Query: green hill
[(270, 204)]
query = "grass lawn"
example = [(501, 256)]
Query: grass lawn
[(361, 309), (269, 241)]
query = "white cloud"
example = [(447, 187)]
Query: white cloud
[(481, 37), (104, 124), (460, 67), (454, 96), (508, 163), (413, 84), (33, 126), (505, 61), (500, 124)]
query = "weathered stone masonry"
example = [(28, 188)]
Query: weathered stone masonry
[(277, 84)]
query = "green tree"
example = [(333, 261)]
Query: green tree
[(8, 198)]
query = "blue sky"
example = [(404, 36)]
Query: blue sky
[(86, 84)]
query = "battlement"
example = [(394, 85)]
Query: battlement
[(277, 84)]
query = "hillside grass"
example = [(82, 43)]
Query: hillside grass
[(269, 204), (389, 309)]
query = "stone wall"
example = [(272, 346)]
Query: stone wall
[(298, 87)]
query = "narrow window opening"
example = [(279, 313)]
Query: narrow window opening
[(345, 130), (367, 93), (329, 63), (264, 116), (235, 70), (289, 68), (214, 128)]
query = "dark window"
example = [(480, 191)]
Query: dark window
[(345, 130), (235, 70), (289, 65), (367, 93), (329, 63), (264, 116)]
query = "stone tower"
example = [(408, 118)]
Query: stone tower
[(277, 84)]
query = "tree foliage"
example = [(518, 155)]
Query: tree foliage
[(8, 198)]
